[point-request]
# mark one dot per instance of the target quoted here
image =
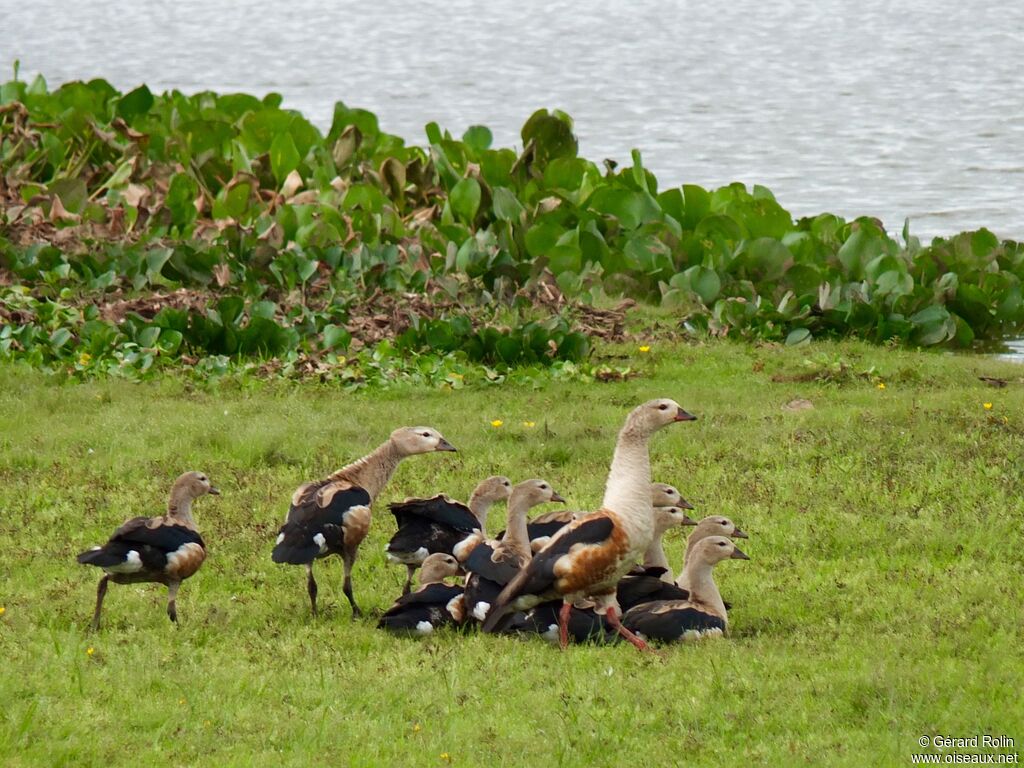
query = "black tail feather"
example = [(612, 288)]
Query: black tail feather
[(103, 557), (296, 547)]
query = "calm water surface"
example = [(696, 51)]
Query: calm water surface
[(878, 108)]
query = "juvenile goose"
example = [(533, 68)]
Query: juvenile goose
[(332, 516), (703, 614), (166, 549), (589, 556), (433, 605), (438, 524), (669, 511), (714, 525), (493, 564)]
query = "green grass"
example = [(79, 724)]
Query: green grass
[(882, 600)]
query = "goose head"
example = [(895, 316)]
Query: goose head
[(715, 549), (437, 567), (495, 488), (648, 418), (412, 440), (716, 525), (669, 507), (192, 485), (533, 492)]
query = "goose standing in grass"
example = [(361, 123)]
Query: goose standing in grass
[(332, 516), (702, 614), (435, 604), (438, 524), (494, 564), (589, 556), (165, 550), (714, 525)]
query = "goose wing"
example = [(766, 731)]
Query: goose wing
[(315, 520), (570, 560)]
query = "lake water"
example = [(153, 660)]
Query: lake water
[(878, 108)]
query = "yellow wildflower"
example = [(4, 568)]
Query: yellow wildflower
[(529, 424), (417, 728), (84, 358), (645, 348), (181, 701), (2, 610), (881, 385), (987, 406), (446, 757), (90, 651), (497, 423)]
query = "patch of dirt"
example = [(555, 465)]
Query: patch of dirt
[(116, 307)]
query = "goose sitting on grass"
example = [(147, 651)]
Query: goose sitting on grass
[(494, 564), (332, 516), (165, 550), (584, 625), (438, 524), (588, 557), (715, 525), (434, 605), (702, 614), (670, 510)]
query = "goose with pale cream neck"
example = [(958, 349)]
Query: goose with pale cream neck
[(332, 516), (589, 556), (166, 549)]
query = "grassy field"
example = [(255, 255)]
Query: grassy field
[(881, 601)]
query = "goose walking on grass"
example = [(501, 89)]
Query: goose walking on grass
[(702, 614), (434, 605), (165, 550), (589, 556), (332, 516), (438, 524), (494, 564)]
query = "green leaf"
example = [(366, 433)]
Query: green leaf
[(180, 200), (798, 336), (478, 137), (336, 336), (135, 103), (506, 206), (284, 157), (465, 199), (59, 338)]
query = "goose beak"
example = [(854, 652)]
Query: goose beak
[(738, 554), (738, 534), (556, 497), (684, 504), (687, 520), (682, 415), (213, 491), (444, 445)]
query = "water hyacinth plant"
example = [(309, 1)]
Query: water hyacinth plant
[(137, 228)]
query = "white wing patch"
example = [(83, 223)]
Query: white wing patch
[(424, 627), (280, 538), (132, 564), (321, 542), (480, 610)]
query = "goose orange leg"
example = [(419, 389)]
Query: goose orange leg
[(563, 625), (613, 619)]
